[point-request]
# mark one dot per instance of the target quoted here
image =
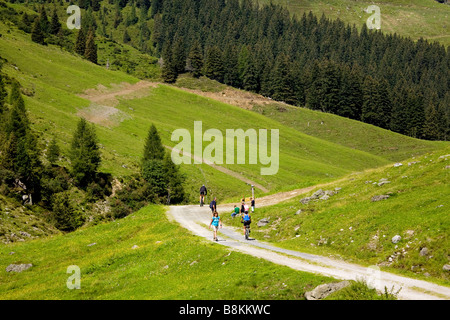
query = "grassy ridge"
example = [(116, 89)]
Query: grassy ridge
[(350, 133), (169, 263), (325, 126), (350, 225)]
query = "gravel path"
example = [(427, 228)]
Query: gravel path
[(196, 219)]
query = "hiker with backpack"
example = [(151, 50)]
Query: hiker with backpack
[(246, 219), (213, 206)]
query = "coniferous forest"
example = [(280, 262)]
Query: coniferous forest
[(382, 79), (385, 80)]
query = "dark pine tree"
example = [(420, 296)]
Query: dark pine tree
[(20, 154), (80, 43), (179, 56), (55, 25), (37, 35), (90, 52), (214, 65), (43, 20), (53, 152), (85, 155), (174, 181), (195, 59), (153, 148), (169, 72)]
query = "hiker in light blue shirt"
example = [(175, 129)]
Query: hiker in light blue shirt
[(215, 222)]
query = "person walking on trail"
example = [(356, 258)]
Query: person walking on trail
[(213, 206), (245, 207), (215, 223), (252, 204), (246, 219), (203, 193)]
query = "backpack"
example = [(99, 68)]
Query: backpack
[(246, 217)]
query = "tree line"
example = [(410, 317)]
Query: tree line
[(322, 64), (31, 170), (327, 65)]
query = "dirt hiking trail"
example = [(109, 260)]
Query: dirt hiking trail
[(195, 218)]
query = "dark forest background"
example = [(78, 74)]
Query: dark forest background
[(382, 79)]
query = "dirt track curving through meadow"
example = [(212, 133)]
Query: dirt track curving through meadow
[(196, 219)]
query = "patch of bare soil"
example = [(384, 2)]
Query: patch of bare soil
[(235, 97), (108, 97), (102, 110)]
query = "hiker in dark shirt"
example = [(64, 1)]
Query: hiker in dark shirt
[(203, 193), (213, 206)]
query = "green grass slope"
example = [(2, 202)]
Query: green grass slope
[(21, 223), (350, 133), (416, 19), (349, 224), (168, 263), (326, 126), (53, 80)]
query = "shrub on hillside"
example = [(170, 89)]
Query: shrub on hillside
[(66, 217)]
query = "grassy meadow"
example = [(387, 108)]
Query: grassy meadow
[(168, 263), (352, 226), (54, 79)]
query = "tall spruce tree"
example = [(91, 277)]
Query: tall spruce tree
[(214, 65), (43, 20), (90, 52), (37, 35), (84, 154), (174, 181), (20, 153), (55, 25), (169, 72), (153, 148), (53, 152), (80, 43), (195, 59), (179, 56)]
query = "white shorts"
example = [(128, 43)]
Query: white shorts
[(215, 228)]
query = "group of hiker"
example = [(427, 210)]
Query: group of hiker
[(216, 222)]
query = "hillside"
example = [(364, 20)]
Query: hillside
[(349, 133), (21, 223), (144, 257), (143, 254), (56, 97), (356, 218), (416, 19), (55, 101)]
